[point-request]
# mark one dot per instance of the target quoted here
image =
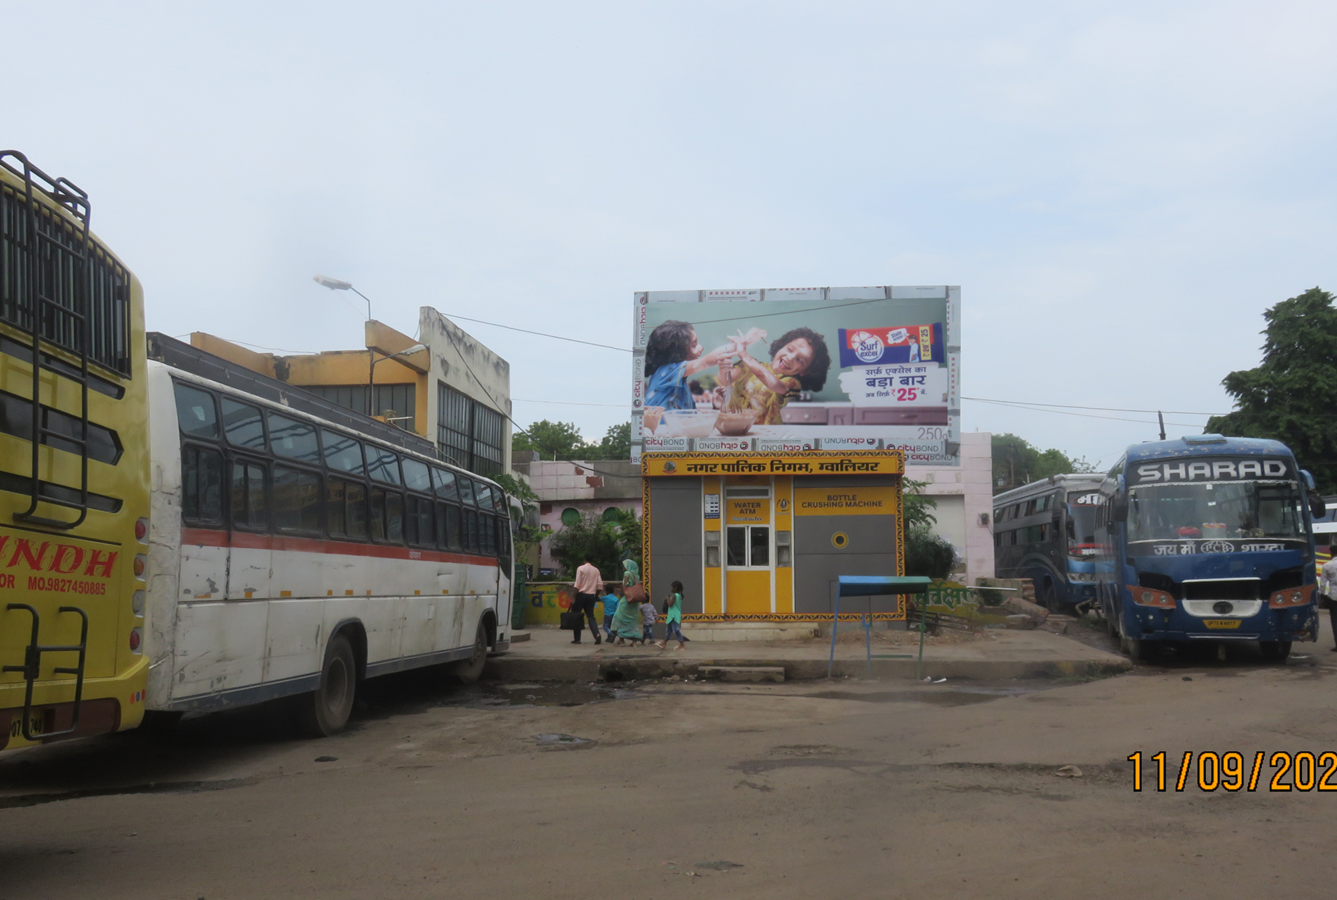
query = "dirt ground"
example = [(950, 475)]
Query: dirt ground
[(848, 788)]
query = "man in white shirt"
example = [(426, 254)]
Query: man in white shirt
[(1327, 586), (589, 585)]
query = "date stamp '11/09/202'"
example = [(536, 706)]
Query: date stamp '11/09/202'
[(1233, 771)]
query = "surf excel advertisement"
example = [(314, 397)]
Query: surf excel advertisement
[(790, 369)]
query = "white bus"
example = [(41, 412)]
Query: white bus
[(297, 548)]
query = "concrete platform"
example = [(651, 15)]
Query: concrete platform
[(754, 631), (549, 655)]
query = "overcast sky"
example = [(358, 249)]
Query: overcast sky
[(1120, 189)]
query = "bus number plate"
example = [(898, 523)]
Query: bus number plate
[(1222, 623)]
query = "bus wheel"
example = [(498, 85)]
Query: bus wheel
[(325, 710), (470, 670), (1135, 648), (1275, 651), (1048, 597)]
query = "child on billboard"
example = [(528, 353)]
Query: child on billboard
[(799, 362), (672, 356)]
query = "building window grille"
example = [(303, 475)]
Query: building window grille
[(469, 434), (394, 400)]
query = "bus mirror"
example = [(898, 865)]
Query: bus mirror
[(1317, 508), (1119, 507)]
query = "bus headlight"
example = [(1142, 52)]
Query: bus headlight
[(1291, 597), (1151, 597)]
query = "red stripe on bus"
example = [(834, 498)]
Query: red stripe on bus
[(208, 537)]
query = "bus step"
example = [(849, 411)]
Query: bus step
[(32, 668)]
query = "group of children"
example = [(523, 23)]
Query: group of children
[(673, 354), (620, 613)]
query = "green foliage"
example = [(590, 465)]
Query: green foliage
[(928, 554), (608, 542), (526, 536), (917, 506), (552, 440), (1289, 397), (518, 489), (1016, 461), (616, 444), (562, 440)]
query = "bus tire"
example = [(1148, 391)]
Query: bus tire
[(1135, 648), (1275, 651), (469, 670), (325, 710), (1048, 596)]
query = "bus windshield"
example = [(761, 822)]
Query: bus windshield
[(1081, 529), (1231, 509)]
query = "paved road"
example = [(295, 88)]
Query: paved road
[(849, 789)]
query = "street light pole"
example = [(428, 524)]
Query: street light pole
[(336, 284)]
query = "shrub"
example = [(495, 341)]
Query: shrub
[(928, 554)]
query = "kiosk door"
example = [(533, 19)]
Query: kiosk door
[(749, 552)]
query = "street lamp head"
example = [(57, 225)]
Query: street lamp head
[(333, 284), (414, 349)]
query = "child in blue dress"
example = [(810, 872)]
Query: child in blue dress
[(610, 601), (672, 356)]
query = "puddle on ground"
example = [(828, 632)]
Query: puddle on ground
[(964, 696), (516, 696), (562, 740)]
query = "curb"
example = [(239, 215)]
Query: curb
[(631, 668)]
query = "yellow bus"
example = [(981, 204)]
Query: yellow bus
[(74, 469)]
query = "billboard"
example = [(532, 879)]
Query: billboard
[(793, 369)]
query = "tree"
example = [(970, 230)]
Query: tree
[(616, 444), (609, 542), (562, 440), (917, 505), (1016, 461), (552, 440), (1289, 397)]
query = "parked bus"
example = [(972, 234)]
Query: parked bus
[(1045, 531), (74, 468), (1207, 538), (288, 548), (298, 548)]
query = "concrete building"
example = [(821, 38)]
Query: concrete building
[(568, 491), (447, 387), (964, 496)]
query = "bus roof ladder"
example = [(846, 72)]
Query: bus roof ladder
[(46, 263), (32, 669)]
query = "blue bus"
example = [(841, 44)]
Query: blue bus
[(1045, 531), (1207, 538)]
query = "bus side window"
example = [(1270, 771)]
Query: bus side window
[(297, 500), (377, 517), (346, 508), (394, 517), (250, 511), (450, 533), (195, 412), (471, 540), (201, 485), (418, 520)]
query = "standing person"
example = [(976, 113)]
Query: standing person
[(589, 585), (610, 601), (1327, 586), (673, 618), (648, 618), (627, 621)]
